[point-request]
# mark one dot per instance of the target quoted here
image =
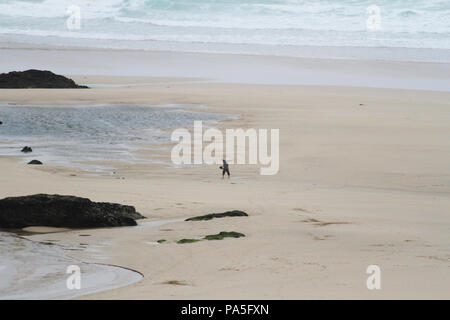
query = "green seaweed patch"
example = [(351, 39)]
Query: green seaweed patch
[(220, 236), (188, 241), (161, 240), (234, 213), (224, 234)]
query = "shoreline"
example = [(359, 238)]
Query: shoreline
[(381, 53), (345, 196), (246, 69)]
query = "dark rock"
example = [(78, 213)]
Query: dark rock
[(34, 162), (27, 149), (64, 211), (36, 79), (234, 213), (224, 234), (1, 122)]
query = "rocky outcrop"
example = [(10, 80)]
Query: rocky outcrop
[(35, 79), (234, 213), (27, 149), (64, 211)]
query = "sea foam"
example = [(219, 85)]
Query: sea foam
[(409, 24)]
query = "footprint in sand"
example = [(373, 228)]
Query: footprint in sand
[(323, 223), (175, 282), (435, 258), (229, 269), (321, 266), (317, 237), (301, 210), (311, 220)]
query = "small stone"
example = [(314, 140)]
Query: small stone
[(35, 162)]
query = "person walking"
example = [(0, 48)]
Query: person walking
[(225, 169)]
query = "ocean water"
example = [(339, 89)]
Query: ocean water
[(83, 136), (147, 24)]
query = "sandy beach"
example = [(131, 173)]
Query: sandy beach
[(363, 180)]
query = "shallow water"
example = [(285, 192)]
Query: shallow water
[(158, 223), (32, 270), (82, 136)]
